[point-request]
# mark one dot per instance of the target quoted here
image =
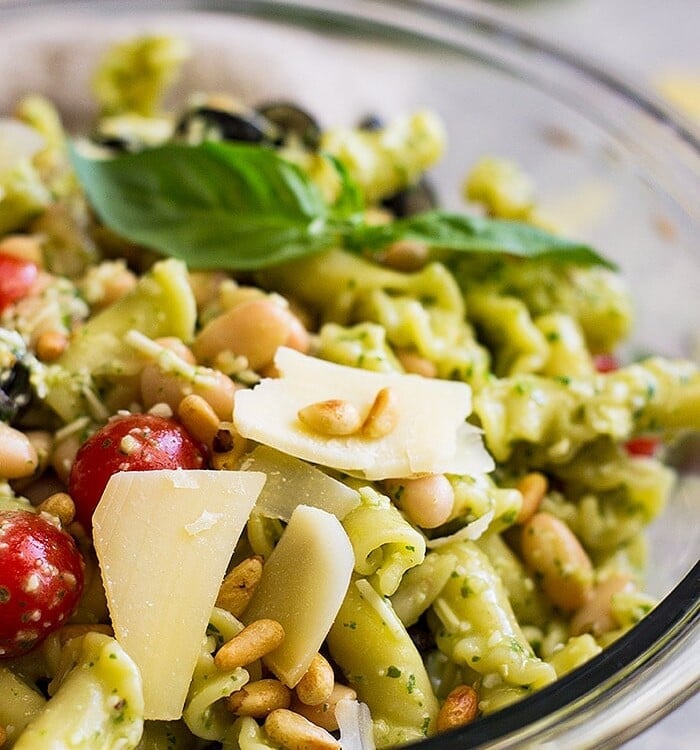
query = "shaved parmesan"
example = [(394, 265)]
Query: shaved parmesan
[(430, 435), (303, 584), (163, 540)]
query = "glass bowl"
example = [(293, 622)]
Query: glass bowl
[(611, 164)]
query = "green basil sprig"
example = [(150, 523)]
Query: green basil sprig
[(244, 207)]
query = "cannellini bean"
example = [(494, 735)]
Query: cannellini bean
[(406, 255), (63, 456), (323, 714), (595, 616), (460, 707), (18, 457), (427, 501), (293, 732), (552, 550), (254, 641), (259, 698), (316, 685), (533, 487), (254, 329)]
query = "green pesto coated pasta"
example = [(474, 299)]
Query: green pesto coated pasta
[(384, 543), (246, 734), (363, 345), (577, 651), (20, 703), (477, 496), (106, 684), (474, 623), (377, 656)]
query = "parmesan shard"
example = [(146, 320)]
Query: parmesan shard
[(163, 540), (303, 584), (431, 434)]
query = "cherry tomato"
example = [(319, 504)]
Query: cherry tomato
[(605, 362), (16, 278), (136, 442), (644, 445), (41, 580)]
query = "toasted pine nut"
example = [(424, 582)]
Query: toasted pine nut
[(61, 505), (227, 448), (332, 417), (383, 414), (533, 487), (551, 549), (50, 345), (198, 417), (405, 255), (596, 614), (259, 698), (461, 707), (23, 246), (253, 642), (316, 685), (18, 457), (239, 585), (323, 713), (414, 363), (293, 732), (67, 632), (254, 329), (427, 501)]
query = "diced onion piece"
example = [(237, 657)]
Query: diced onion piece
[(430, 435), (303, 584), (163, 540), (291, 482)]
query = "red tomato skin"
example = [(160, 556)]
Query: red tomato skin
[(41, 580), (16, 278), (644, 445), (605, 363), (136, 442)]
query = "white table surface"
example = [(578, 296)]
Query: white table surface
[(643, 41)]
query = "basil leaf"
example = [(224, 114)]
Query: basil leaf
[(473, 234), (216, 205)]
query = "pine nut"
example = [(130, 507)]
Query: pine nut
[(427, 501), (406, 255), (18, 457), (383, 414), (61, 505), (253, 642), (239, 585), (596, 614), (316, 685), (414, 363), (323, 714), (50, 345), (22, 246), (258, 699), (552, 550), (199, 418), (334, 417), (227, 448), (533, 487), (293, 732), (461, 707)]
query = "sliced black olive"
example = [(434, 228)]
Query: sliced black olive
[(413, 200), (209, 122), (116, 143), (292, 121), (15, 390)]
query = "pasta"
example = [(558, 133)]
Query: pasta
[(453, 494)]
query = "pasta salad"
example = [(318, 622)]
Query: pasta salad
[(291, 457)]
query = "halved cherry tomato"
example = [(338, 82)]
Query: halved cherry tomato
[(41, 580), (16, 278), (136, 442)]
